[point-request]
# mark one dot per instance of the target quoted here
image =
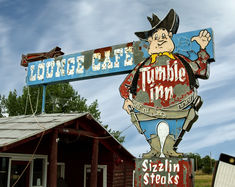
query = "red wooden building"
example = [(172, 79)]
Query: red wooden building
[(69, 150)]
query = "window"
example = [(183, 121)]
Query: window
[(19, 175), (3, 171), (60, 170), (37, 172), (101, 175), (60, 175), (12, 166)]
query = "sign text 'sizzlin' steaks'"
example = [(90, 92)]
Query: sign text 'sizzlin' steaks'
[(163, 172)]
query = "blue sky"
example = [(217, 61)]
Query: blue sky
[(35, 26)]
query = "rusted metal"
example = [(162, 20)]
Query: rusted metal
[(106, 61), (158, 172), (31, 57), (160, 92)]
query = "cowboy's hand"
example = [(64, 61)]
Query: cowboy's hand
[(203, 39), (128, 105)]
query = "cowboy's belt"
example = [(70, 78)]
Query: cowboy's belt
[(176, 111)]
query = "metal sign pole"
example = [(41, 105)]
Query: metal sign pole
[(43, 98)]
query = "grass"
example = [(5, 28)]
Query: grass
[(203, 180)]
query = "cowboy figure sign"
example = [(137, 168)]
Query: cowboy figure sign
[(160, 93)]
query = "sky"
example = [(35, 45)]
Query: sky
[(31, 26)]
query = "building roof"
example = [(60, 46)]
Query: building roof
[(14, 129), (19, 128)]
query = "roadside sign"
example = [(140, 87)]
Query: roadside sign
[(163, 172), (107, 61)]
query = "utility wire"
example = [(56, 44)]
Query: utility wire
[(44, 130), (41, 137), (106, 137), (26, 104)]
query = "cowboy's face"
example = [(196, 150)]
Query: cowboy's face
[(160, 42)]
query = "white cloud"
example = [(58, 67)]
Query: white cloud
[(85, 8), (219, 112), (82, 25), (136, 143), (4, 40), (210, 137), (10, 69), (222, 73)]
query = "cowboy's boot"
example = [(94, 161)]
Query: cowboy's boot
[(197, 103), (155, 147), (168, 149)]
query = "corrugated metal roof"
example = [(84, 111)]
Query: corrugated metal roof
[(13, 129), (17, 128)]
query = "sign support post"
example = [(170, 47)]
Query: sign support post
[(43, 98)]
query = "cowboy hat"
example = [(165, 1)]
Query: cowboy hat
[(170, 23)]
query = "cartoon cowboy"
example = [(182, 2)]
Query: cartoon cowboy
[(160, 93)]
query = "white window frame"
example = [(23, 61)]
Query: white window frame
[(104, 167), (27, 157), (62, 172), (44, 168), (133, 178)]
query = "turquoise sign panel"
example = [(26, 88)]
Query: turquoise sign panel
[(118, 59)]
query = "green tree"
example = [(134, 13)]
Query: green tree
[(1, 106), (60, 98), (197, 160), (208, 164), (116, 134), (12, 104)]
